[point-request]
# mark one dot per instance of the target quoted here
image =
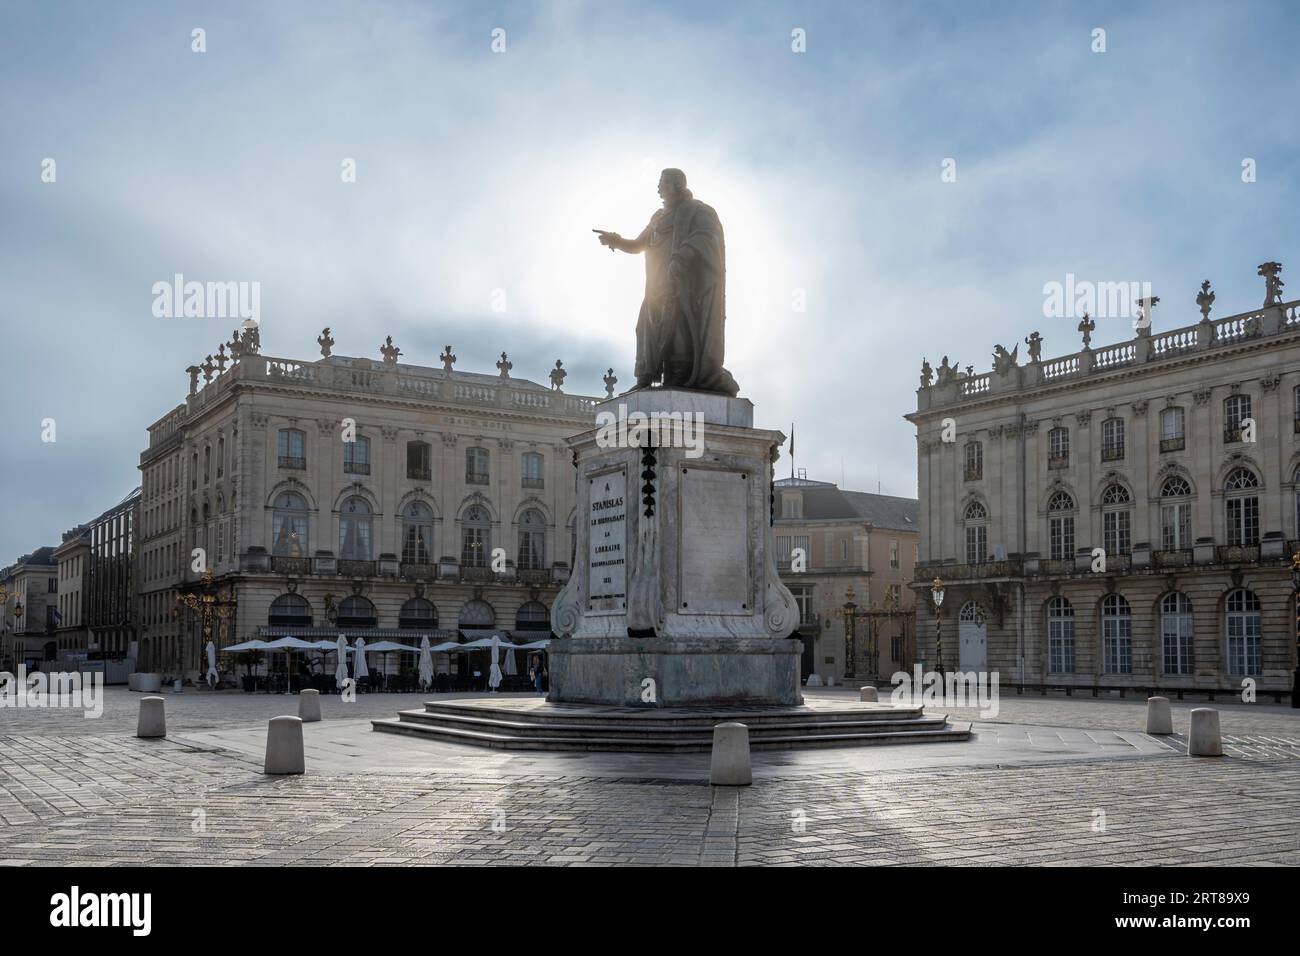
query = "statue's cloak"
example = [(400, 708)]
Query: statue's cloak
[(681, 328)]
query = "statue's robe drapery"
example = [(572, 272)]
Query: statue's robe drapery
[(680, 332)]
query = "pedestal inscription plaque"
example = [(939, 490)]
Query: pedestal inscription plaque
[(607, 543), (714, 528)]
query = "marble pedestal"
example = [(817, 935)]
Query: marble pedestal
[(675, 598)]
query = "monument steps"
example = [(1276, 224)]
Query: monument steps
[(665, 731)]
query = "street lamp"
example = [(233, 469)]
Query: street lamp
[(850, 633), (1295, 583), (936, 591)]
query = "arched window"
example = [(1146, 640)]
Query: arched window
[(977, 533), (1175, 514), (292, 447), (1244, 624), (532, 470), (532, 541), (419, 614), (533, 616), (1060, 526), (419, 460), (290, 610), (974, 461), (1176, 633), (356, 456), (1116, 519), (289, 526), (1116, 635), (476, 613), (357, 611), (475, 537), (476, 466), (1236, 409), (354, 530), (971, 613), (1241, 507), (1060, 636), (417, 533)]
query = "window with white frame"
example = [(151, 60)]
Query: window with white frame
[(1112, 439), (1060, 636), (417, 533), (1236, 409), (356, 456), (532, 541), (355, 530), (1060, 526), (1058, 445), (1175, 514), (1176, 633), (1116, 635), (1241, 507), (1116, 519), (976, 526), (475, 537), (1243, 625), (1173, 433), (974, 461)]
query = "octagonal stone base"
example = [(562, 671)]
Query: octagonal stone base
[(668, 672)]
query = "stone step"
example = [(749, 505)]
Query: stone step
[(667, 743), (649, 717), (647, 730)]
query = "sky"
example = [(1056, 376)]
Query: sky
[(853, 253)]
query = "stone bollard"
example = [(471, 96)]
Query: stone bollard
[(1158, 719), (869, 695), (814, 680), (153, 718), (149, 683), (309, 706), (1205, 739), (133, 681), (179, 686), (729, 766), (284, 746)]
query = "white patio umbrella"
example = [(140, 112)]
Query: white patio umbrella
[(494, 675), (213, 677), (341, 668), (359, 668), (426, 664), (510, 668), (384, 647)]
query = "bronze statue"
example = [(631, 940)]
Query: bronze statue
[(679, 333)]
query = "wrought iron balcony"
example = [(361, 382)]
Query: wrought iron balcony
[(282, 564), (356, 467), (1173, 444), (288, 461), (356, 569)]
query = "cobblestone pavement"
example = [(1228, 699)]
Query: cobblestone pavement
[(1048, 781)]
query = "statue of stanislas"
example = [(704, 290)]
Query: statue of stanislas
[(679, 334)]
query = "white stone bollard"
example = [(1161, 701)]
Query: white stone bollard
[(1159, 720), (149, 683), (179, 686), (814, 680), (1205, 739), (153, 718), (729, 766), (284, 746), (309, 706), (869, 695), (133, 681)]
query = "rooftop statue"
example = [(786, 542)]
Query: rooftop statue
[(679, 333)]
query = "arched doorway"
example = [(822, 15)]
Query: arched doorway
[(972, 634)]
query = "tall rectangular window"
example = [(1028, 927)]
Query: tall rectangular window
[(1061, 537)]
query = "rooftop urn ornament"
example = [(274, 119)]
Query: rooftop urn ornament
[(208, 369), (680, 329), (448, 359), (1204, 300), (1272, 283), (927, 373), (221, 358), (558, 374), (1035, 343), (326, 342), (504, 366), (389, 351), (194, 379), (610, 381), (1086, 326)]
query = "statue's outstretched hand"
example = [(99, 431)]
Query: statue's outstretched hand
[(610, 239)]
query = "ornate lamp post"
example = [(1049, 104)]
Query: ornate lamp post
[(1295, 583), (209, 606), (936, 591), (850, 634)]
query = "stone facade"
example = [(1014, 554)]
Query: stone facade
[(28, 626), (348, 493), (1121, 516), (854, 542), (73, 559)]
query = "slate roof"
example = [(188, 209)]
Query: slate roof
[(824, 501)]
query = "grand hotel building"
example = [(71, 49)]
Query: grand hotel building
[(351, 494), (1176, 453)]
